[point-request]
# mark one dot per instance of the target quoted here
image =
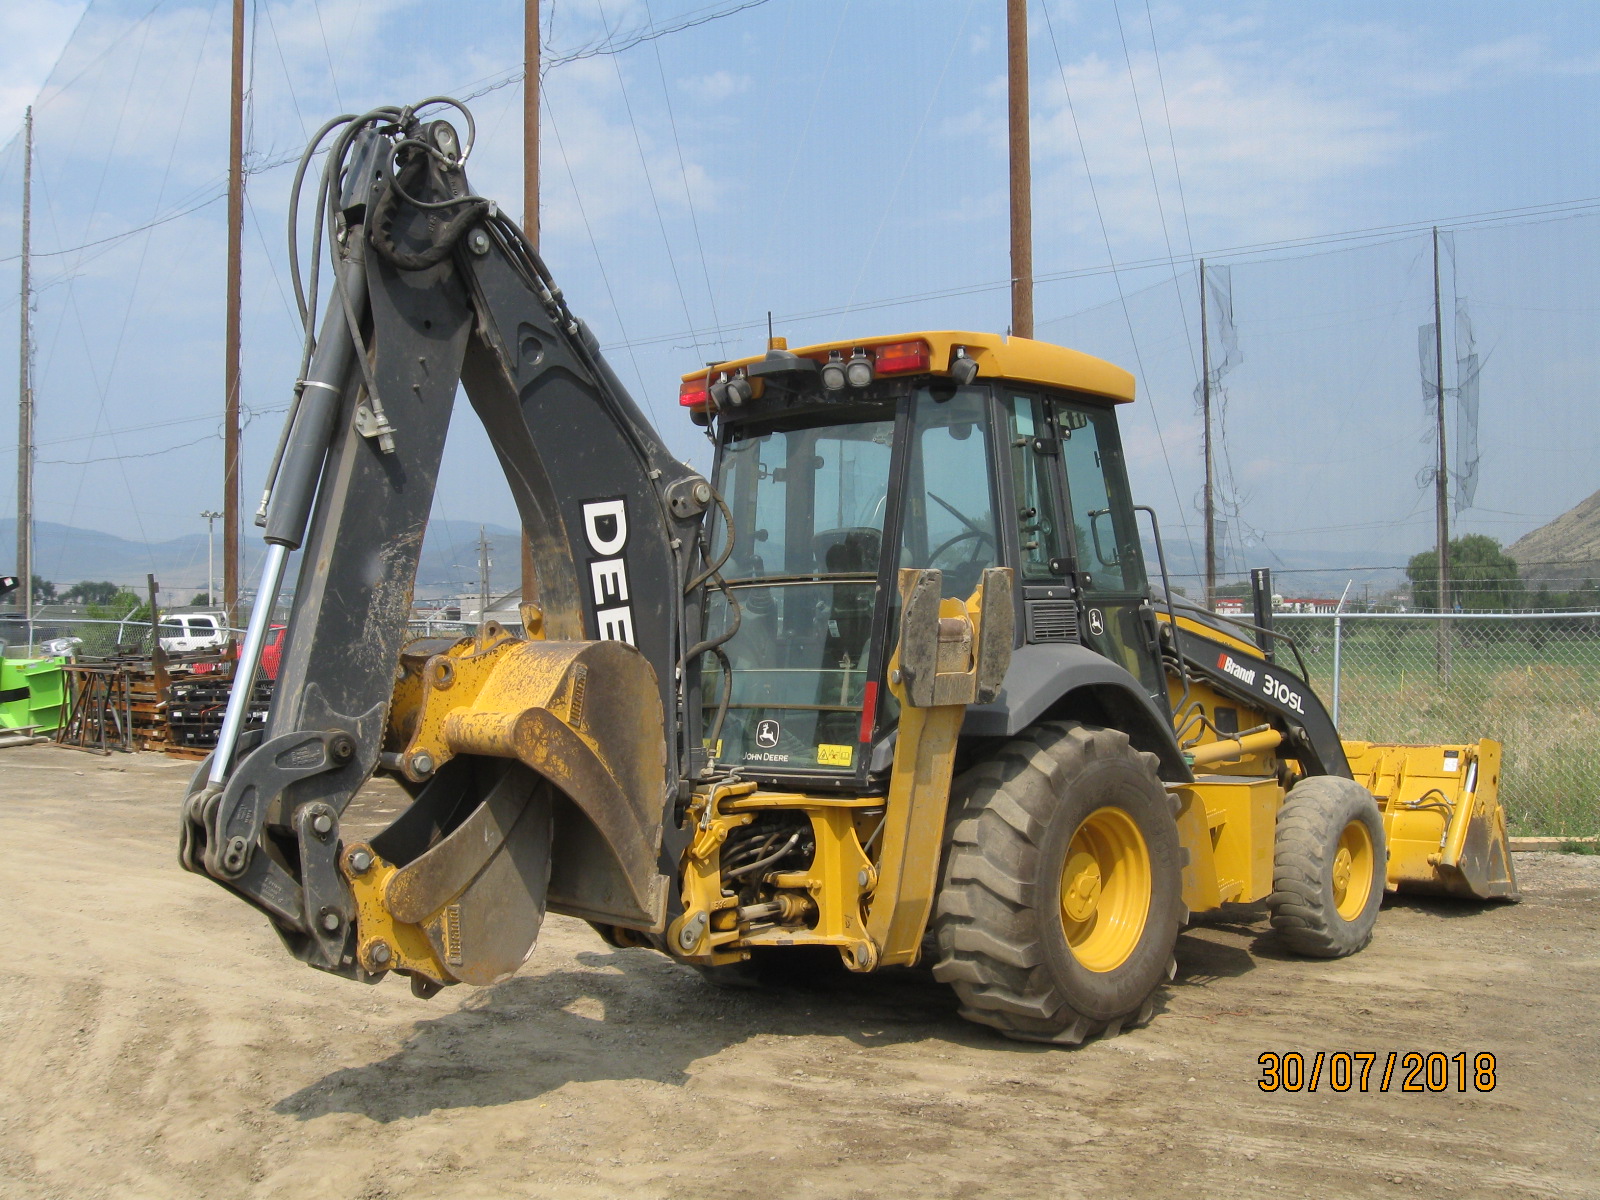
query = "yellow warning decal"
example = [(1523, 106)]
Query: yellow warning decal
[(835, 756)]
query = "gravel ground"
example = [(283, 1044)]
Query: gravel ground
[(160, 1043)]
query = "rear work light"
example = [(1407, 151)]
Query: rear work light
[(897, 358), (731, 393), (833, 372), (695, 394)]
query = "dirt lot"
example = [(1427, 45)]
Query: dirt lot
[(160, 1043)]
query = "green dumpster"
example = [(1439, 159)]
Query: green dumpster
[(32, 693)]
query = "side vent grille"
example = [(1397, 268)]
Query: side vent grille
[(1052, 620)]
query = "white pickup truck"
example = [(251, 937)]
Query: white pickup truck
[(183, 633)]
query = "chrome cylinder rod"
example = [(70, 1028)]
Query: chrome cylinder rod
[(244, 676)]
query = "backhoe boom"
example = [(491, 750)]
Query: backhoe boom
[(433, 287)]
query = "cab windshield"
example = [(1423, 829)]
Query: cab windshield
[(809, 507), (812, 508)]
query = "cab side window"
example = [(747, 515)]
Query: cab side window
[(1107, 542), (949, 512), (1038, 530)]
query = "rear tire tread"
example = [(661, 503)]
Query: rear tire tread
[(990, 953), (1310, 822)]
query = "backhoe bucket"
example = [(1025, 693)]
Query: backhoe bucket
[(1442, 817)]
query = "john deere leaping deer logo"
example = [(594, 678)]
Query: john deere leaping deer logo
[(767, 734)]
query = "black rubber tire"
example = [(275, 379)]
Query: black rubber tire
[(1002, 947), (1304, 906)]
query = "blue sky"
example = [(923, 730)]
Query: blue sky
[(841, 163)]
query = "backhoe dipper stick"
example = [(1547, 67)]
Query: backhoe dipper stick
[(314, 420)]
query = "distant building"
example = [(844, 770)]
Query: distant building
[(1304, 604), (1238, 606)]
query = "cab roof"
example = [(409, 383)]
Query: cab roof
[(1020, 360)]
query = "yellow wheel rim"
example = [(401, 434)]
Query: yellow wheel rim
[(1105, 889), (1352, 870)]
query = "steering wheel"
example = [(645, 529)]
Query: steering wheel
[(957, 514), (973, 532), (976, 536)]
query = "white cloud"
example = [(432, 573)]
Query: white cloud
[(1258, 148), (1396, 62), (1272, 137), (600, 149), (715, 87), (32, 35)]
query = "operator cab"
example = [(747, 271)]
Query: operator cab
[(840, 464)]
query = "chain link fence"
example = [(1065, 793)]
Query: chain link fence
[(100, 637), (1529, 680), (83, 637)]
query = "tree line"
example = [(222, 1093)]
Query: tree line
[(1484, 578)]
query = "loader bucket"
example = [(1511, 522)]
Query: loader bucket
[(1442, 817)]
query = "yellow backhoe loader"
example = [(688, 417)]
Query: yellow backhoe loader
[(892, 681)]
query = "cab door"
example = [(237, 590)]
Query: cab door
[(1081, 569), (1113, 593)]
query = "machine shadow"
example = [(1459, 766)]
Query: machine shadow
[(1441, 906), (623, 1015), (1225, 943)]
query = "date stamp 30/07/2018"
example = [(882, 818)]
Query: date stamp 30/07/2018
[(1376, 1071)]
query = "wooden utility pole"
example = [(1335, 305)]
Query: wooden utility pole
[(25, 387), (530, 226), (530, 121), (1210, 503), (230, 365), (1441, 489), (1021, 170)]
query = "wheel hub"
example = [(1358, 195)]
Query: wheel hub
[(1081, 896), (1341, 875), (1352, 870), (1105, 889)]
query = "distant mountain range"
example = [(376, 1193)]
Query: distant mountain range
[(1565, 550), (65, 554)]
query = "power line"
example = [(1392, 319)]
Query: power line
[(1155, 186), (911, 148), (644, 165), (1172, 141), (89, 437), (550, 113), (113, 46), (305, 130), (804, 140), (1373, 236), (117, 237), (611, 44), (1116, 276), (119, 457), (608, 46), (104, 386), (327, 54), (688, 195), (1528, 214)]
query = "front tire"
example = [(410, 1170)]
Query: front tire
[(1329, 867), (1061, 895)]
